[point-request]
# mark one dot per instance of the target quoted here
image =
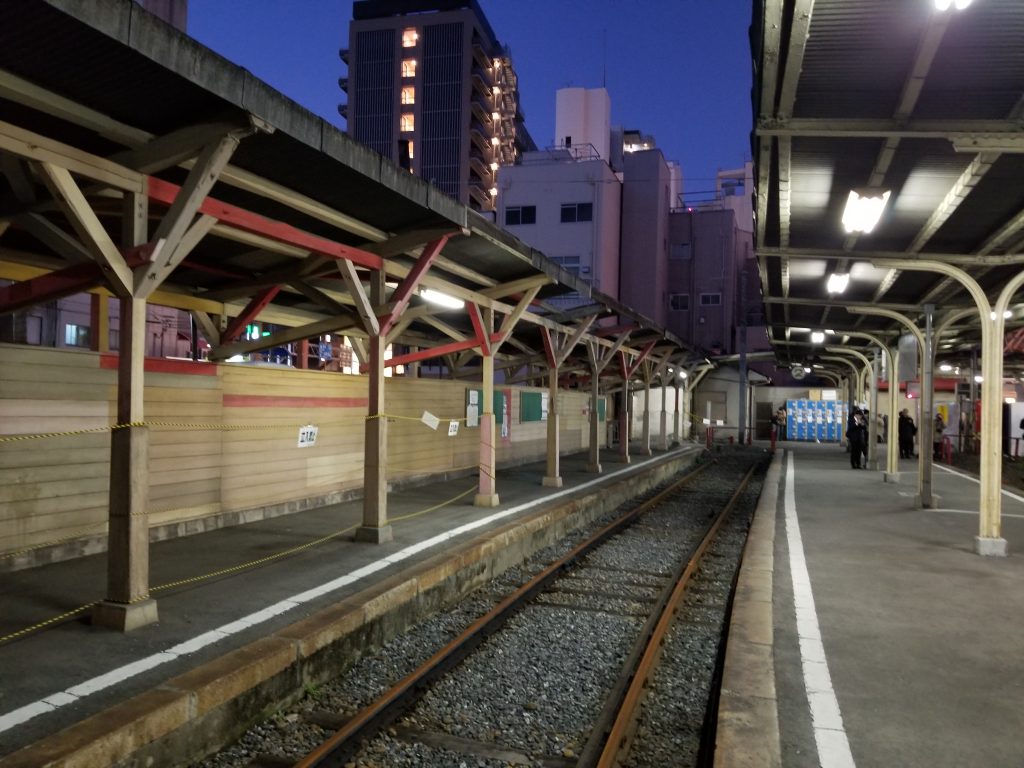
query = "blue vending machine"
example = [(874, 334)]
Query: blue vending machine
[(819, 420), (801, 419), (791, 419)]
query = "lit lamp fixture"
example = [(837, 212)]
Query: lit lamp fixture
[(863, 212), (1007, 314), (494, 166), (493, 191), (837, 283), (441, 299), (945, 367), (682, 374), (817, 337), (495, 141), (944, 5)]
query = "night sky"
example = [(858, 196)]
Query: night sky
[(678, 70)]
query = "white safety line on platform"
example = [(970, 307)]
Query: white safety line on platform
[(971, 512), (1012, 495), (826, 719), (56, 700)]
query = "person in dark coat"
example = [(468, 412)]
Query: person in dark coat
[(907, 431), (857, 437)]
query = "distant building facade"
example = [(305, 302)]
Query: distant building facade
[(430, 87)]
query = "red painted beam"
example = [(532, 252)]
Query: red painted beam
[(404, 292), (641, 357), (247, 221), (252, 309), (55, 285), (64, 282)]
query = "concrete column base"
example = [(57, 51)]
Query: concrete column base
[(375, 534), (920, 503), (124, 617), (645, 452), (594, 469), (551, 482), (891, 477), (990, 547), (486, 500), (625, 460)]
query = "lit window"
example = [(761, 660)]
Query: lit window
[(412, 154), (573, 212), (408, 68), (408, 95), (409, 37), (408, 123), (710, 299), (679, 302), (76, 335)]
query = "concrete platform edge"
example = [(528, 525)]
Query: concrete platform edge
[(748, 720), (245, 685)]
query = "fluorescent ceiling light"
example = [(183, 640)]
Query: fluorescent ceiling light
[(944, 5), (837, 283), (682, 374), (817, 337), (945, 367), (1007, 314), (807, 369), (442, 299), (979, 378), (863, 213)]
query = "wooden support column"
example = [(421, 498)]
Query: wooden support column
[(302, 361), (594, 463), (624, 423), (677, 434), (488, 487), (127, 605), (645, 439), (663, 444), (99, 322), (375, 527), (553, 477)]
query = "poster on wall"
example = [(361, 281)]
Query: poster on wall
[(506, 416)]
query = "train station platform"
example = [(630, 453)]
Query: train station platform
[(248, 611), (867, 632)]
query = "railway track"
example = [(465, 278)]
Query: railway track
[(555, 673)]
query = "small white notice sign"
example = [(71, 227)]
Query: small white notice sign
[(307, 435), (453, 428), (430, 420)]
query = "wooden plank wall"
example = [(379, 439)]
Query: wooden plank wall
[(223, 438)]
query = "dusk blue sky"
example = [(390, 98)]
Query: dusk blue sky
[(678, 70)]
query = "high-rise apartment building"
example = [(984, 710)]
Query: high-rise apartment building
[(430, 87)]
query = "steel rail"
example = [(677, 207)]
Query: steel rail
[(340, 747), (619, 736)]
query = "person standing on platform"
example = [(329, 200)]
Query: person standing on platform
[(857, 437), (907, 431), (940, 425)]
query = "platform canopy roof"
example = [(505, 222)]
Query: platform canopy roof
[(895, 98), (297, 221)]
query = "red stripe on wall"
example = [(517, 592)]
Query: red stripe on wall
[(274, 401), (108, 360)]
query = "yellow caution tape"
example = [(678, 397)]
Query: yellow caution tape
[(41, 624)]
